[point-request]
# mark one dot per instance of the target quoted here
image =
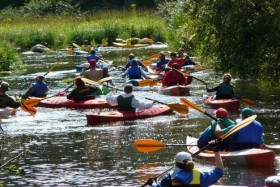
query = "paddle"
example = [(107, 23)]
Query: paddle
[(237, 127), (76, 45), (30, 109), (53, 66), (192, 76), (190, 104), (34, 101), (148, 145), (146, 62), (246, 102), (147, 82), (157, 55)]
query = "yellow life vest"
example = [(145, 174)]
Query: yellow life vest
[(195, 180)]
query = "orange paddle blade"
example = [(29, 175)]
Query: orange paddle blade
[(190, 104), (249, 101), (32, 102), (154, 56), (31, 110), (145, 82), (146, 62), (148, 145), (154, 83)]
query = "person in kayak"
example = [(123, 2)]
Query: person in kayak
[(250, 136), (184, 173), (86, 46), (126, 101), (211, 132), (82, 91), (131, 57), (94, 74), (37, 89), (173, 77), (160, 66), (92, 55), (223, 90), (133, 40), (174, 59), (134, 72), (5, 99)]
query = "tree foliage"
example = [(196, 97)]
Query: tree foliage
[(241, 37)]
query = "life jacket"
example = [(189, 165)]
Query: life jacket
[(134, 73), (194, 182), (40, 89), (225, 91), (125, 103)]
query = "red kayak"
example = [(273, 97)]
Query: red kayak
[(59, 102), (116, 115), (177, 90), (229, 104)]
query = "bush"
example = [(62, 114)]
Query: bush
[(9, 57)]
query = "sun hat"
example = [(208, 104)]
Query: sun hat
[(4, 85), (181, 157), (246, 112), (221, 113)]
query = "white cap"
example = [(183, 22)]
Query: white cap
[(182, 156)]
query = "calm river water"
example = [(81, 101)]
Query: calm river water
[(63, 151)]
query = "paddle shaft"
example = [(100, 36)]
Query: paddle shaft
[(51, 68)]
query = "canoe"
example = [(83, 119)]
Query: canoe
[(118, 115), (117, 44), (177, 90), (246, 157), (229, 104), (63, 102)]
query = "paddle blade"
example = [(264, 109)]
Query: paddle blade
[(182, 109), (145, 82), (146, 62), (148, 145), (154, 83), (190, 104), (239, 126), (32, 102), (154, 56), (90, 82), (105, 79), (76, 45), (31, 110), (247, 102)]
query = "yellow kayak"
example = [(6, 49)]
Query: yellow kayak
[(118, 44)]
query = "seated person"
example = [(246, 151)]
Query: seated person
[(173, 77), (131, 57), (174, 59), (223, 90), (5, 99), (94, 74), (134, 72), (133, 40), (126, 101), (82, 91), (162, 62), (37, 89), (86, 46)]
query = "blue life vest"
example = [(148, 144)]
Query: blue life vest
[(134, 73), (40, 89)]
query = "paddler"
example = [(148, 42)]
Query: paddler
[(126, 101), (223, 90), (162, 62), (131, 57), (134, 72), (184, 173), (37, 89), (173, 77), (94, 74), (86, 46), (5, 99)]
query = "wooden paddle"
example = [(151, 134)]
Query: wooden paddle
[(246, 102), (53, 66), (149, 145), (146, 62), (190, 104), (237, 127), (147, 82)]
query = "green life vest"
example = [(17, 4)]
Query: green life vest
[(125, 103)]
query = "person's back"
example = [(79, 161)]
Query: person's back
[(93, 73), (173, 77), (134, 72), (162, 62), (37, 89), (250, 136)]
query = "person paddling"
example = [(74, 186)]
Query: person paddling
[(126, 101), (185, 173), (131, 57), (82, 91), (5, 99), (173, 77), (223, 90), (37, 89), (160, 66), (134, 72), (86, 46), (214, 131), (94, 74)]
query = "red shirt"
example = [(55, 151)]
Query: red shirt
[(172, 78), (179, 61)]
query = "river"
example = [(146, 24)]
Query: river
[(62, 150)]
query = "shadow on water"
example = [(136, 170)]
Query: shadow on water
[(65, 151)]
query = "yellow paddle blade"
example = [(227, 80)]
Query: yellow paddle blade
[(105, 79), (31, 110), (146, 62), (239, 126), (145, 82), (91, 82), (182, 109), (154, 83), (148, 145), (190, 104), (76, 45), (154, 56)]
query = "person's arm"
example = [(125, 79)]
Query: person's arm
[(143, 74), (135, 103), (125, 74), (29, 92), (218, 160), (215, 89), (112, 98)]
